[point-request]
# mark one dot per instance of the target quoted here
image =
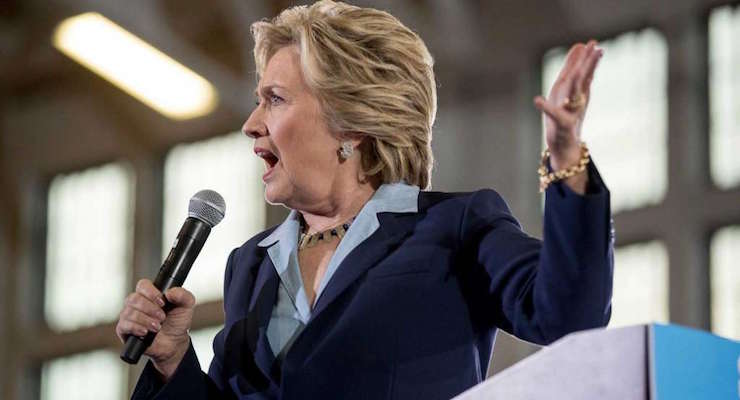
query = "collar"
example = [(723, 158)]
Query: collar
[(390, 197)]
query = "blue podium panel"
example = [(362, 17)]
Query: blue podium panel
[(646, 362), (691, 364)]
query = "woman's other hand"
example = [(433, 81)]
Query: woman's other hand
[(143, 312), (565, 107)]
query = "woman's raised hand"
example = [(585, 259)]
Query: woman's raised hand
[(143, 312), (565, 107)]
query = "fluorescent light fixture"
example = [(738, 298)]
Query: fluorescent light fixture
[(135, 66)]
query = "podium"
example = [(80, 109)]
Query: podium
[(655, 362)]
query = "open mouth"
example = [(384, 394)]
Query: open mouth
[(270, 158)]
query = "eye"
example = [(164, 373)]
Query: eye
[(275, 99)]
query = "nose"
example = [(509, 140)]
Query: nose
[(254, 127)]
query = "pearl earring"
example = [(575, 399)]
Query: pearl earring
[(346, 150)]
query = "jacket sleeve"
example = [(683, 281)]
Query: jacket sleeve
[(542, 290), (189, 381)]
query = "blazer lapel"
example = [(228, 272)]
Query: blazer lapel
[(393, 229), (249, 351), (258, 317)]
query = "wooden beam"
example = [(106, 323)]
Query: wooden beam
[(43, 344)]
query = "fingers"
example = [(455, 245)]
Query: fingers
[(142, 311), (583, 73), (126, 328), (146, 288), (137, 302), (571, 61), (579, 63), (180, 297), (584, 84), (559, 114), (576, 74), (135, 322)]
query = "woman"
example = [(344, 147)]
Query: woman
[(372, 288)]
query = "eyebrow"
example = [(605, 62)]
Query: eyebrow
[(266, 89)]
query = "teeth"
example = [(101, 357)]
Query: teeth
[(269, 158), (264, 154)]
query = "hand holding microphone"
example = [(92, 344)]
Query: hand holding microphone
[(143, 316), (157, 325)]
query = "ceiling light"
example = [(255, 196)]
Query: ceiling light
[(135, 66)]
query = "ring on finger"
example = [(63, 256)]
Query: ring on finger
[(575, 103)]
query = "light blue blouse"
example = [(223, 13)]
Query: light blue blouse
[(292, 311)]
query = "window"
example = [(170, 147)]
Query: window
[(89, 233), (640, 284), (95, 375), (725, 282), (724, 96), (203, 344), (228, 166), (626, 122)]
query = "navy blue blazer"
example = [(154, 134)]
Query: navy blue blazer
[(412, 312)]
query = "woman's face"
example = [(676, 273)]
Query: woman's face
[(291, 135)]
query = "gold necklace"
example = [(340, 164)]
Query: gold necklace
[(313, 239)]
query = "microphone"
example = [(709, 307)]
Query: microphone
[(206, 209)]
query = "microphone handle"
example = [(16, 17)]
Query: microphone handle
[(172, 273)]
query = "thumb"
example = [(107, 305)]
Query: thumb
[(559, 115), (180, 297), (552, 111)]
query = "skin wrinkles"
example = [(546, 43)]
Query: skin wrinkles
[(309, 175), (563, 126)]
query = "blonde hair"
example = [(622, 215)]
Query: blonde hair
[(373, 77)]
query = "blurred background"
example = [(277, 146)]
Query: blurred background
[(113, 113)]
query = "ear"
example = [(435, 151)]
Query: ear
[(355, 137)]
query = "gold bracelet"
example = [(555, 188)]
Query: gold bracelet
[(546, 178)]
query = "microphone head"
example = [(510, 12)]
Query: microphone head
[(207, 206)]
